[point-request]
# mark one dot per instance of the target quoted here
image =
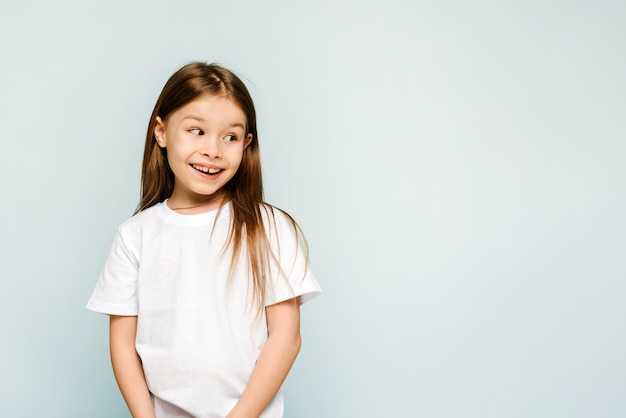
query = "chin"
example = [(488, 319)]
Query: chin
[(212, 193)]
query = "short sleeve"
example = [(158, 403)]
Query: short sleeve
[(116, 289), (290, 273)]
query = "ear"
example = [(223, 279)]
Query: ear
[(159, 132), (247, 141)]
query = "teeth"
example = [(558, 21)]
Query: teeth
[(206, 169)]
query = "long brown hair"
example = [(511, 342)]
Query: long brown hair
[(244, 190)]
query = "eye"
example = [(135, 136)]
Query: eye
[(196, 131), (230, 138)]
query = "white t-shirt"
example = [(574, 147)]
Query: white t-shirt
[(198, 336)]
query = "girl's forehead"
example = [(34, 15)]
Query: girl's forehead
[(211, 107)]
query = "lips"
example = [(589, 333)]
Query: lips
[(207, 170)]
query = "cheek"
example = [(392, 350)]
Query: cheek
[(176, 160), (240, 158), (234, 154), (176, 152)]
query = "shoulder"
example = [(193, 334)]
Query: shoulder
[(140, 220), (132, 233), (277, 218), (281, 227)]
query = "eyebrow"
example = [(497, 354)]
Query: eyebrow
[(201, 119), (198, 118)]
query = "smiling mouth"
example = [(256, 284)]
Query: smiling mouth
[(207, 170)]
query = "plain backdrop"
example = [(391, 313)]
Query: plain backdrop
[(458, 168)]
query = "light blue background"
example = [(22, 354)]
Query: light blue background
[(458, 168)]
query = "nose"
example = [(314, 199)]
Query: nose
[(211, 147)]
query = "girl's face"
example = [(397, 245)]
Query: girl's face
[(204, 141)]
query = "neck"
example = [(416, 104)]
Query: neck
[(212, 203)]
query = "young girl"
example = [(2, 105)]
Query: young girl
[(203, 284)]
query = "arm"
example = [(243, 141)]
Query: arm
[(277, 357), (127, 366)]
